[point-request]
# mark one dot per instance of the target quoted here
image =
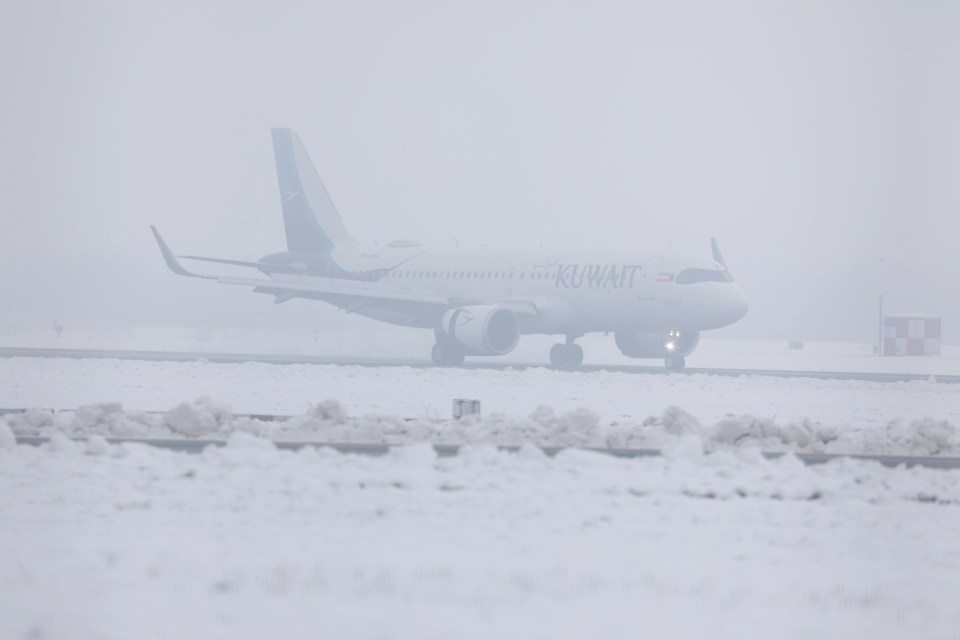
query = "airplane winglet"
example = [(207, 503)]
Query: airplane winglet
[(172, 263)]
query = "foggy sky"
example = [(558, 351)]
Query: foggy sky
[(818, 141)]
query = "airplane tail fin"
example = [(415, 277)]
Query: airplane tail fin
[(717, 256), (715, 250), (309, 216)]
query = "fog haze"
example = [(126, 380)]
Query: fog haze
[(818, 141)]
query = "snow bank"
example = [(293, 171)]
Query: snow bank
[(918, 437), (328, 422), (425, 393), (149, 543)]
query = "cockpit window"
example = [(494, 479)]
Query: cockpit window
[(691, 276)]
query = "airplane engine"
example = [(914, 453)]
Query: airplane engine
[(482, 330), (635, 344)]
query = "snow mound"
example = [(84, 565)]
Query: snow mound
[(328, 411), (7, 439), (60, 443), (919, 437), (202, 417), (30, 422), (572, 429), (98, 446), (933, 436), (111, 419), (678, 422)]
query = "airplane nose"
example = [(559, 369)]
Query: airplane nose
[(723, 305), (739, 305)]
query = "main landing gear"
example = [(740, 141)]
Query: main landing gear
[(446, 353), (675, 363), (567, 355)]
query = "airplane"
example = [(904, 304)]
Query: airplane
[(479, 302)]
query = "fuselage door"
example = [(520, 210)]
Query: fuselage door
[(646, 279)]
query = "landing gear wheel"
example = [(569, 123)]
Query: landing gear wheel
[(446, 354), (575, 355), (676, 363), (567, 356), (556, 355)]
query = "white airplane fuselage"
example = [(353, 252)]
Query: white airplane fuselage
[(574, 292), (479, 301)]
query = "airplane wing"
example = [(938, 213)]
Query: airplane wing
[(262, 266), (314, 285), (351, 295), (344, 293)]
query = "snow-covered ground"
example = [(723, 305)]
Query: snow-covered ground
[(100, 541), (710, 540)]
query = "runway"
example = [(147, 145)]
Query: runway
[(448, 450), (239, 358)]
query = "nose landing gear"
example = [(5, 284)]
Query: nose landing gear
[(567, 355), (675, 361)]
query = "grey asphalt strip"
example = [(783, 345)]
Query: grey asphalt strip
[(239, 358)]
